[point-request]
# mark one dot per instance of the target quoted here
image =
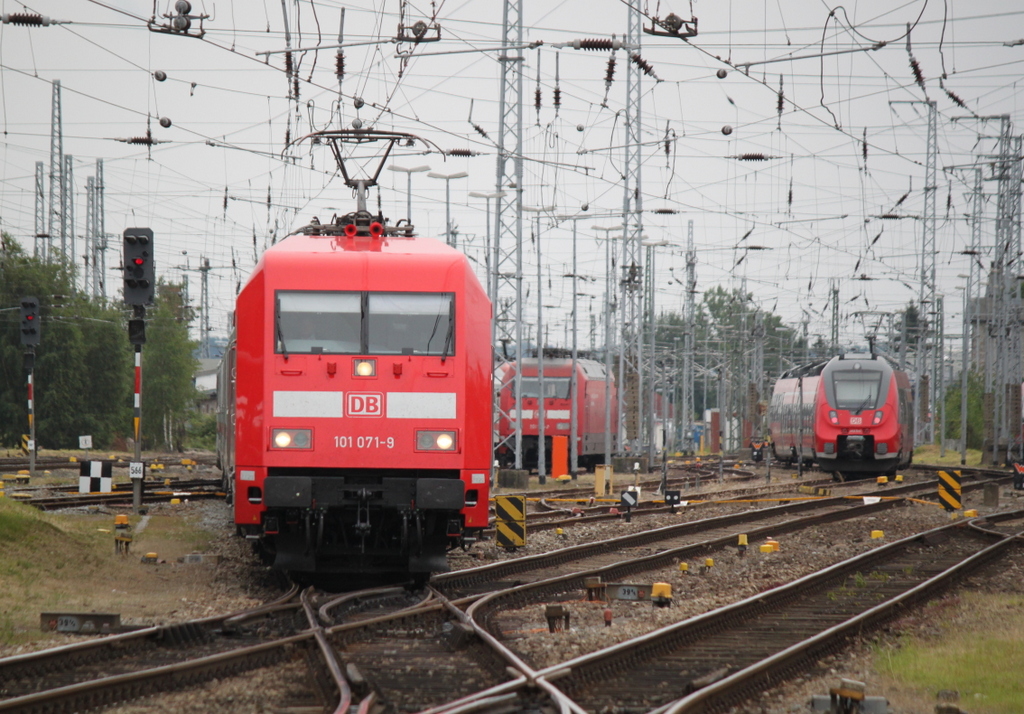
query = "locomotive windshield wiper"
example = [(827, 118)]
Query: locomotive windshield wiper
[(451, 330), (280, 334)]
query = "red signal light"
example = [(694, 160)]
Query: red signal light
[(138, 261)]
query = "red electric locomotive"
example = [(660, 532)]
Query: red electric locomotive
[(358, 382), (855, 417), (590, 409)]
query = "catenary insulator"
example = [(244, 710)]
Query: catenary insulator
[(25, 18), (165, 122), (643, 64), (160, 75), (461, 152)]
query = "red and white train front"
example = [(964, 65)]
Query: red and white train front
[(863, 417), (362, 404), (591, 392)]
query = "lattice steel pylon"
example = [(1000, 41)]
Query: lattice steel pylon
[(507, 278), (57, 204), (90, 276), (926, 386), (689, 315), (631, 378), (39, 247)]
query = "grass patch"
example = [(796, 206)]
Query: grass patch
[(929, 454), (979, 652), (66, 561)]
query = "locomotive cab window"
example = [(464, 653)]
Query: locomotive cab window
[(321, 322), (554, 387), (410, 323), (856, 390)]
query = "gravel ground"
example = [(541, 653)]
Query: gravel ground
[(240, 582)]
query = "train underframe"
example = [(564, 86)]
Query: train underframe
[(506, 456), (321, 526), (858, 457)]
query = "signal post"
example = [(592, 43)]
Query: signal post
[(139, 289), (29, 339)]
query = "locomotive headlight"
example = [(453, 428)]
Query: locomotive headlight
[(365, 367), (877, 418), (435, 440), (833, 417), (291, 438)]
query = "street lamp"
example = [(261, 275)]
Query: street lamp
[(492, 281), (408, 189), (608, 344), (448, 201), (651, 276), (540, 348)]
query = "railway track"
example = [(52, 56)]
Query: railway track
[(711, 662), (109, 669)]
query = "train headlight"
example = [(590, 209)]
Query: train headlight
[(833, 418), (365, 368), (435, 441), (291, 438), (877, 418)]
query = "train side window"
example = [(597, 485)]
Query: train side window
[(410, 323)]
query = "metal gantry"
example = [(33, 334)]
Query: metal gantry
[(690, 318), (507, 301), (58, 201)]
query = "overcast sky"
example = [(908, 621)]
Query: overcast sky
[(811, 207)]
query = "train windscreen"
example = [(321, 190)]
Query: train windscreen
[(554, 387), (318, 322), (321, 322), (856, 390), (410, 323)]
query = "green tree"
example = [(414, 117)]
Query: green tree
[(975, 410), (168, 366), (82, 371)]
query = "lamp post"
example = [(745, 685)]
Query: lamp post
[(652, 275), (408, 186), (541, 445), (449, 239), (492, 280), (574, 452), (608, 343)]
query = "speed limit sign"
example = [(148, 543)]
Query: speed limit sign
[(136, 469)]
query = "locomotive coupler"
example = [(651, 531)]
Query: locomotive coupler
[(362, 525)]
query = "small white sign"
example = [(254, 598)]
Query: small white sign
[(136, 469), (85, 442), (31, 444)]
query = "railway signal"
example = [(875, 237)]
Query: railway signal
[(29, 321), (139, 268)]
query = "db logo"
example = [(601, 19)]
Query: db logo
[(365, 404)]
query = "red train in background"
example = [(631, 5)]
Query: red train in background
[(853, 416), (590, 405), (356, 403)]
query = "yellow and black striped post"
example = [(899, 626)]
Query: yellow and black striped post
[(949, 490), (510, 521)]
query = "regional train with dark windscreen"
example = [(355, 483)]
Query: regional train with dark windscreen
[(853, 416), (356, 403)]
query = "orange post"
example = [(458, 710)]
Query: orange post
[(559, 456)]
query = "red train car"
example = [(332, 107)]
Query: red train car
[(358, 384), (590, 406), (852, 415)]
